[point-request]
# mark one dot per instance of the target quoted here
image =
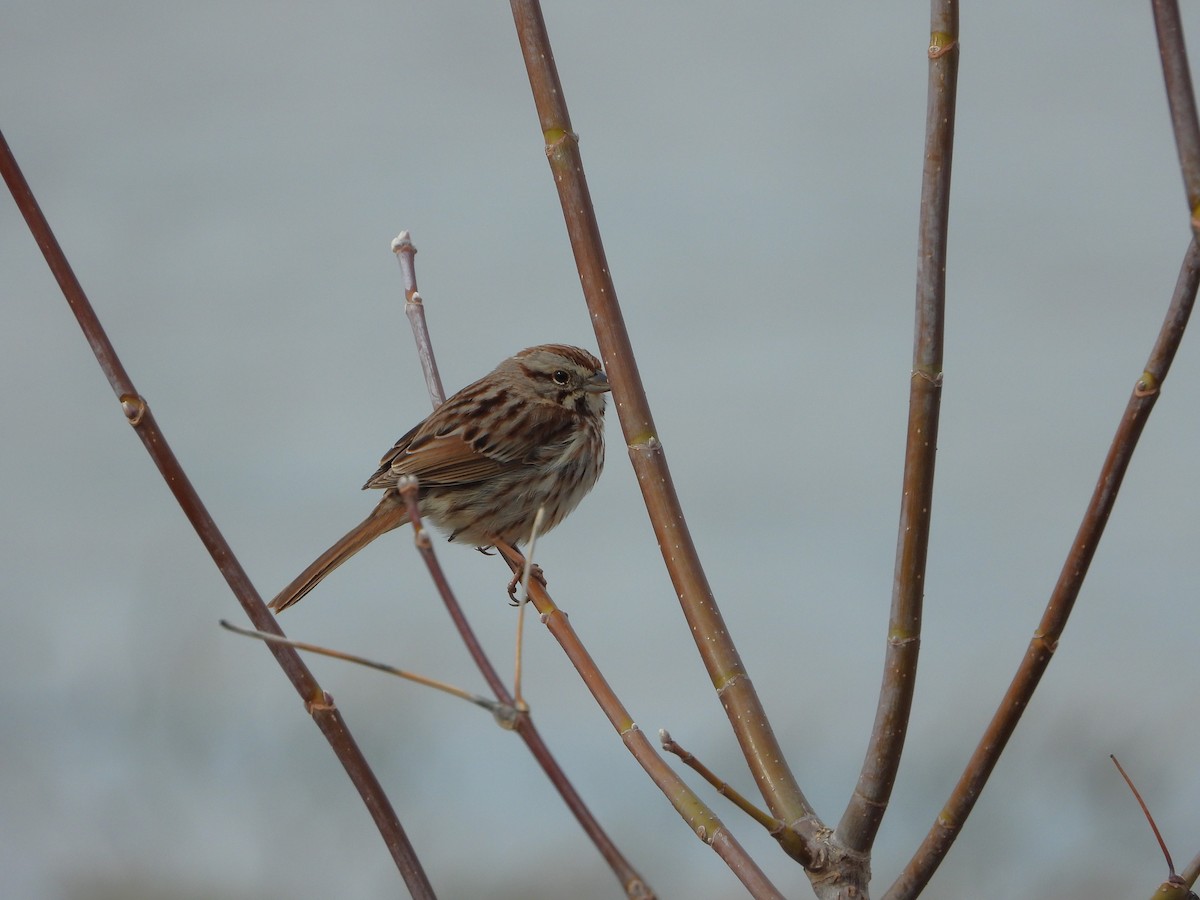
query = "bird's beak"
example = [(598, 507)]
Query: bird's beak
[(597, 384)]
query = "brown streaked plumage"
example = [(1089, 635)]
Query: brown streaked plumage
[(529, 434)]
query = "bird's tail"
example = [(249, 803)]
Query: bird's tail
[(390, 513)]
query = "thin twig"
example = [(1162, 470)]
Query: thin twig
[(534, 533), (319, 704), (496, 709), (519, 656), (409, 491), (1062, 600), (1180, 98), (523, 602), (864, 813), (703, 822), (1176, 887), (414, 308), (747, 717), (1137, 795), (721, 786)]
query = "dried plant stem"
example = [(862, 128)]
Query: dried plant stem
[(319, 704), (703, 822), (1137, 411), (864, 813), (762, 751)]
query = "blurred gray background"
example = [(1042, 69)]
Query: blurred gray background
[(226, 179)]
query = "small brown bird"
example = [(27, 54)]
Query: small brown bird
[(530, 434)]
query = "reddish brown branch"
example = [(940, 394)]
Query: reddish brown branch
[(1137, 795), (1137, 411), (747, 717), (721, 786), (319, 704), (1181, 98), (1045, 639), (864, 813)]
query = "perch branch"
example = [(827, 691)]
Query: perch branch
[(703, 822), (748, 718), (632, 882)]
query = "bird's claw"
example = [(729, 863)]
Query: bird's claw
[(535, 574)]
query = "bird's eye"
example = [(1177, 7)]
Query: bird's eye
[(560, 377)]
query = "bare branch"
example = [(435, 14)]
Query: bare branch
[(1062, 600), (721, 786), (1137, 795), (860, 822), (502, 713), (414, 308), (762, 751), (319, 704), (1180, 98)]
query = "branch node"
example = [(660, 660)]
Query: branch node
[(646, 443), (508, 717), (134, 407), (556, 137), (941, 43), (1040, 638), (934, 378), (1147, 386), (322, 704)]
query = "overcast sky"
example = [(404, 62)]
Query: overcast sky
[(226, 179)]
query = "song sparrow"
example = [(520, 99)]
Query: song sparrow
[(530, 434)]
